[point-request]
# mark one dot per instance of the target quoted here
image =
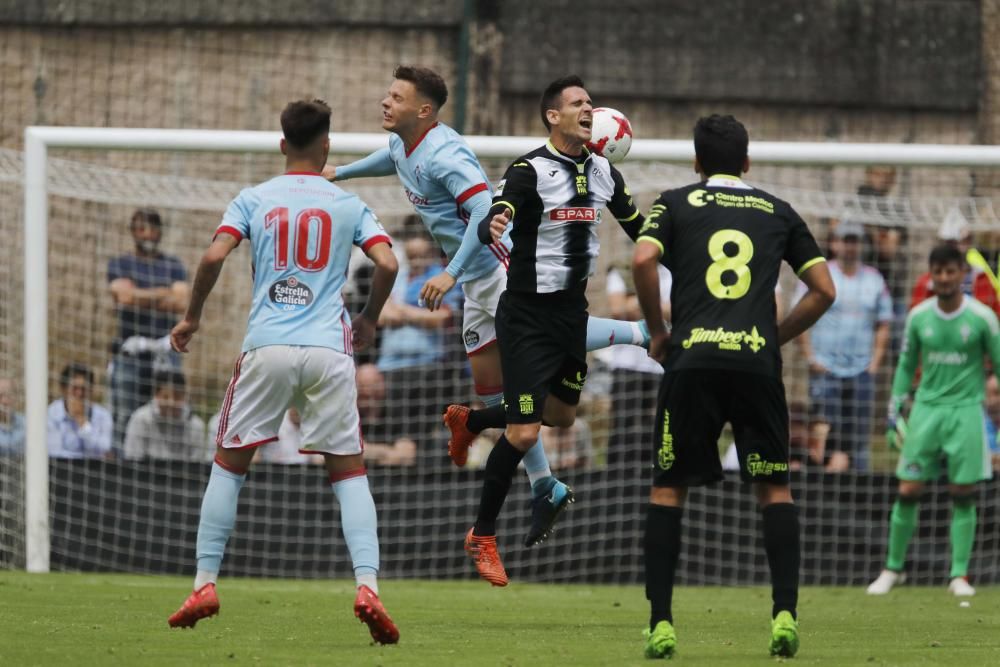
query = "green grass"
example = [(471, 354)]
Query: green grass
[(83, 619)]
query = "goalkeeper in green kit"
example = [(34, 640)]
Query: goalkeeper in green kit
[(949, 337)]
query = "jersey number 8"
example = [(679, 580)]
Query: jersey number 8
[(722, 263)]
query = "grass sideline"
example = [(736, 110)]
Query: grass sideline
[(85, 619)]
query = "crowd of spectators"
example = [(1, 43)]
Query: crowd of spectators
[(417, 366)]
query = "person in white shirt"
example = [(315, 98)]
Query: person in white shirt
[(165, 429), (635, 378), (77, 427)]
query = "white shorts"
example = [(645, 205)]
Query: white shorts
[(481, 298), (318, 381)]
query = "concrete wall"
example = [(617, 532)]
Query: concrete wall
[(858, 70)]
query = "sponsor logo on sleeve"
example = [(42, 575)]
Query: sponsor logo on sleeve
[(290, 294)]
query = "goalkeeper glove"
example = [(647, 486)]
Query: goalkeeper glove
[(895, 433), (895, 424)]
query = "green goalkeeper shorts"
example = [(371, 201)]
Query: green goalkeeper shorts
[(953, 432)]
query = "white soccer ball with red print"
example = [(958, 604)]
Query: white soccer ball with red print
[(610, 134)]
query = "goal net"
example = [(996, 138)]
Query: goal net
[(122, 491)]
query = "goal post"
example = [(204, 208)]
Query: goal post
[(39, 141)]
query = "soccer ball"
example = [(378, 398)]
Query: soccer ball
[(610, 134)]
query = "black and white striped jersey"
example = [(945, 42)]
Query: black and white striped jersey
[(556, 202)]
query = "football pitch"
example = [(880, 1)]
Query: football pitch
[(87, 619)]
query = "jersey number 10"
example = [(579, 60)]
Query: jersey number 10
[(304, 227)]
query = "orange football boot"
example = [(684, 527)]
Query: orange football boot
[(200, 604)]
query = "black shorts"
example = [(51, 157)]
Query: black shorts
[(543, 350), (692, 407)]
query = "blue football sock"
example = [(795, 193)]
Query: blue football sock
[(602, 333), (536, 464), (359, 522), (218, 516)]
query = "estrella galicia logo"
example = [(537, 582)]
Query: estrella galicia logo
[(471, 338), (290, 294)]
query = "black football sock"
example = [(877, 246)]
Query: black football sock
[(500, 468), (492, 417), (781, 541), (662, 548)]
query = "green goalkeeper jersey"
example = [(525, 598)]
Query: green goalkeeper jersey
[(951, 349)]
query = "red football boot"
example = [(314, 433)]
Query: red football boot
[(369, 609), (455, 418), (200, 604), (483, 550)]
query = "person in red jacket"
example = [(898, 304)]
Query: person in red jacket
[(955, 229)]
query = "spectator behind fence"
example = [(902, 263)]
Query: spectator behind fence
[(845, 349), (885, 232), (77, 427), (569, 446), (955, 230), (165, 429), (412, 335), (992, 405), (150, 291), (386, 442), (416, 357), (11, 421), (635, 377)]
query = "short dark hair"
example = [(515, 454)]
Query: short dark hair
[(304, 121), (720, 143), (550, 98), (427, 82), (946, 253), (73, 369), (148, 215), (168, 377)]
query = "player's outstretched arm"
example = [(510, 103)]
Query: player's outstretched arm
[(819, 296), (204, 280), (435, 289), (647, 290), (386, 268), (378, 163)]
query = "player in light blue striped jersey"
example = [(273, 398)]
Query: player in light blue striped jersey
[(447, 186), (297, 351)]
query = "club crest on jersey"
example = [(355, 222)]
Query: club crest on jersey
[(575, 214), (290, 294)]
